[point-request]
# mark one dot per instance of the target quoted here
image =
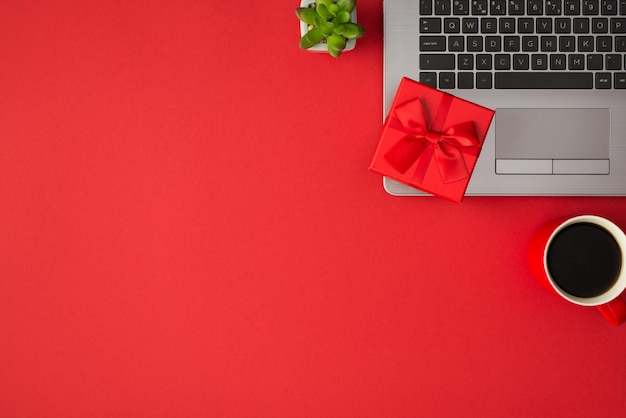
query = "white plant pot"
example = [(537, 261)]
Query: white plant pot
[(350, 44)]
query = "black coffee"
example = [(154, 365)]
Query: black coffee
[(584, 260)]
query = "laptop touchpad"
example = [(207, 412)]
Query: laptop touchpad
[(552, 141)]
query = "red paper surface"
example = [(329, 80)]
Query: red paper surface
[(180, 235), (424, 173)]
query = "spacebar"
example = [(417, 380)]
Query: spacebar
[(538, 80)]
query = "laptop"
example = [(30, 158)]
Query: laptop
[(553, 70)]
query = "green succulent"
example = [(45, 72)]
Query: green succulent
[(329, 22)]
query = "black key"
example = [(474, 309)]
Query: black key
[(619, 80), (595, 61), (535, 7), (525, 25), (567, 44), (456, 43), (603, 80), (581, 25), (426, 7), (484, 81), (493, 44), (572, 7), (613, 62), (465, 62), (543, 80), (618, 25), (563, 25), (544, 25), (432, 43), (604, 44), (460, 7), (430, 25), (591, 7), (447, 80), (516, 7), (576, 62), (530, 43), (437, 62), (443, 7), (498, 7), (512, 43), (502, 62), (479, 7), (620, 44), (622, 7), (489, 25), (558, 62), (466, 80), (539, 61), (484, 61), (430, 79), (599, 25), (452, 25), (548, 43), (553, 7), (521, 61), (507, 25), (475, 43), (608, 7), (469, 25), (585, 44)]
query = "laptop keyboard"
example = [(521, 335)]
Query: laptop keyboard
[(523, 44)]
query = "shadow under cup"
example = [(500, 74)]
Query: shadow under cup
[(582, 259)]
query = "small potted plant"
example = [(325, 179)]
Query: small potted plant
[(328, 25)]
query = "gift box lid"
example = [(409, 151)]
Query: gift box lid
[(431, 140)]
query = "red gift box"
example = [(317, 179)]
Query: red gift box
[(431, 140)]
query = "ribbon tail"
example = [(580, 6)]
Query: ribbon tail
[(422, 165), (450, 163)]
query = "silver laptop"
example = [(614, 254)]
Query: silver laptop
[(554, 71)]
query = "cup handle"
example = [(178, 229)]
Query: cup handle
[(614, 311)]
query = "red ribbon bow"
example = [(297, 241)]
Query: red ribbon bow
[(424, 144)]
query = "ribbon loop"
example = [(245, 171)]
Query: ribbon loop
[(420, 137)]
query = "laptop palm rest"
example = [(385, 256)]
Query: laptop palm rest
[(552, 141)]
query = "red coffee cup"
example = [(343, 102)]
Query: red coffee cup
[(582, 259)]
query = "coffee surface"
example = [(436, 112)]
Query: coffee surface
[(584, 260)]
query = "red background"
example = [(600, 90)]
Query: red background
[(188, 228)]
